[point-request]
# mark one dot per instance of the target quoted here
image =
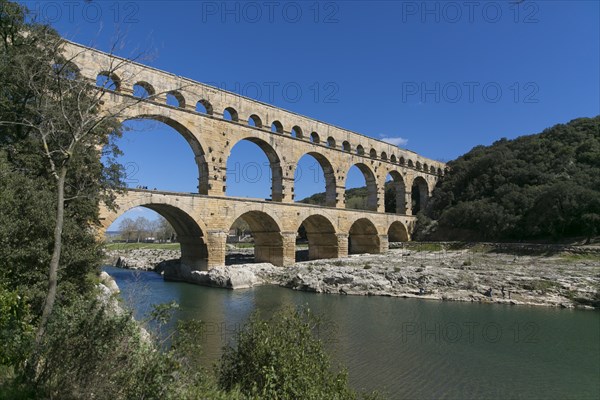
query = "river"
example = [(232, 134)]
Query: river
[(409, 348)]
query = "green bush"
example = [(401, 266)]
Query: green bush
[(280, 358)]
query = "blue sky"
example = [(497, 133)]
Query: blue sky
[(437, 77)]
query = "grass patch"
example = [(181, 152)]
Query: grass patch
[(424, 246), (243, 245), (580, 257), (132, 246)]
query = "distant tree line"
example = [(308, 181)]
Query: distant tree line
[(141, 229)]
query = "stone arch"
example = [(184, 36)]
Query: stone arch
[(432, 170), (296, 132), (393, 159), (397, 232), (208, 108), (330, 191), (108, 80), (410, 164), (419, 194), (331, 142), (67, 70), (346, 146), (150, 91), (371, 182), (418, 165), (439, 172), (363, 237), (399, 192), (360, 150), (401, 161), (314, 137), (274, 164), (268, 240), (276, 127), (192, 140), (190, 233), (255, 120), (322, 238), (179, 97), (373, 153), (232, 113), (384, 156)]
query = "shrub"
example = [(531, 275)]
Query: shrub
[(280, 358)]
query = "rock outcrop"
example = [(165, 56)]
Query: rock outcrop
[(459, 275)]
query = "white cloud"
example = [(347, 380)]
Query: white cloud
[(396, 141)]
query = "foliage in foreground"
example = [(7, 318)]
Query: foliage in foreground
[(280, 358), (91, 351)]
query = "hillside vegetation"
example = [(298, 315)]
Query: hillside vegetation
[(542, 186)]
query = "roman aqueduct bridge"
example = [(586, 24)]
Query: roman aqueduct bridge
[(212, 121)]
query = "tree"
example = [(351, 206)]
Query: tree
[(55, 127), (165, 230)]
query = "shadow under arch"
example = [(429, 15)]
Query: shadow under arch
[(371, 182), (321, 236), (363, 237), (397, 232), (194, 251), (398, 191), (199, 154), (268, 241), (419, 194), (274, 165), (330, 191)]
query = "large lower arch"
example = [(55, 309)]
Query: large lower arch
[(363, 238), (268, 240), (330, 192), (192, 140), (194, 251), (419, 194), (397, 232), (322, 238), (274, 165), (371, 183), (398, 192)]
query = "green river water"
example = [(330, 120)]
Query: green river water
[(410, 348)]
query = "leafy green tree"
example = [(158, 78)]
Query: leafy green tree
[(53, 128)]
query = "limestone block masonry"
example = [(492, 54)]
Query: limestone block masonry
[(212, 121)]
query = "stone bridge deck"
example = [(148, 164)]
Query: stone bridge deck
[(202, 224)]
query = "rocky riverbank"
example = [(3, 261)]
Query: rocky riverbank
[(560, 280)]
